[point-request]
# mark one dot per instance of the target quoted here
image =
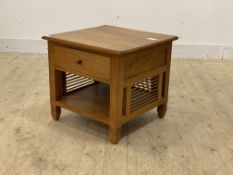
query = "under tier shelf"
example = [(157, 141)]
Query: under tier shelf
[(91, 101)]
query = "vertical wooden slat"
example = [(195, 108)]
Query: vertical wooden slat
[(127, 100), (63, 83), (160, 90)]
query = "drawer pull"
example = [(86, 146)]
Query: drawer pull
[(79, 62)]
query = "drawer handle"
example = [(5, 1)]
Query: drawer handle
[(79, 62)]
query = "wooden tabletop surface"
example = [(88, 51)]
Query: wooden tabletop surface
[(110, 39)]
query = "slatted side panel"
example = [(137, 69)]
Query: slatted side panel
[(74, 82), (144, 92)]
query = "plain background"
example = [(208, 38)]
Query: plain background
[(205, 27)]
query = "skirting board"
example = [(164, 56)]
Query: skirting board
[(23, 46), (203, 51), (199, 51)]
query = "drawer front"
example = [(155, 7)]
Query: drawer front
[(81, 62), (144, 61)]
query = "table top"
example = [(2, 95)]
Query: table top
[(110, 39)]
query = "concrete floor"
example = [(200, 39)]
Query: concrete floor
[(195, 137)]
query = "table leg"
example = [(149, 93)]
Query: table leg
[(55, 86), (116, 97), (55, 93), (56, 112), (162, 109)]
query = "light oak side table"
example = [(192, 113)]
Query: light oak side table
[(109, 74)]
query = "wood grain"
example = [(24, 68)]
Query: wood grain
[(144, 61), (55, 86), (89, 103), (110, 39), (133, 55), (116, 99), (80, 62)]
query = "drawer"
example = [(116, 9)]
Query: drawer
[(144, 61), (82, 63)]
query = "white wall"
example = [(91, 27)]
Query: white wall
[(199, 23)]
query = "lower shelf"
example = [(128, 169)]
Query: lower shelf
[(91, 101)]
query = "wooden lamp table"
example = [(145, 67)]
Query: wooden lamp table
[(109, 74)]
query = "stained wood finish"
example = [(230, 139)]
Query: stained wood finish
[(162, 109), (55, 88), (110, 39), (144, 61), (127, 100), (80, 62), (116, 99), (88, 102), (133, 65)]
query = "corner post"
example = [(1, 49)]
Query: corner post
[(162, 109), (116, 98), (55, 85)]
